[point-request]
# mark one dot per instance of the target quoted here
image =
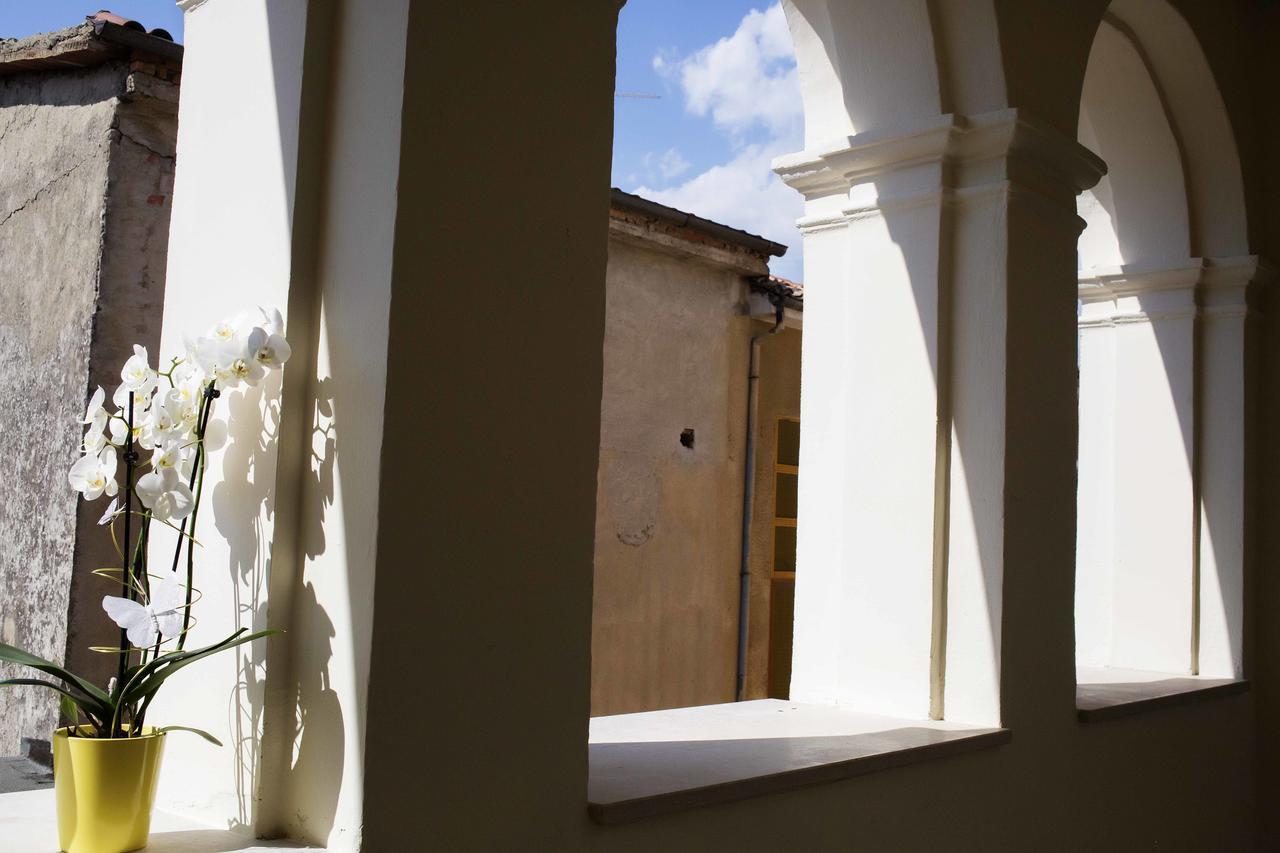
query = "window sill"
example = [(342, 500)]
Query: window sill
[(1103, 693), (658, 762), (28, 821)]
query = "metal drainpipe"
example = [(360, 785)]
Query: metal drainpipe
[(748, 491)]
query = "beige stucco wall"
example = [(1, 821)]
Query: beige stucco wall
[(668, 521)]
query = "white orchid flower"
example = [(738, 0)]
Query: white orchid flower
[(164, 493), (137, 375), (95, 412), (226, 329), (95, 437), (95, 474), (271, 320), (168, 457), (141, 401), (250, 371), (269, 349), (120, 431)]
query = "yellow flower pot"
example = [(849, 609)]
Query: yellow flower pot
[(105, 788)]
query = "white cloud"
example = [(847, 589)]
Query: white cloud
[(744, 80), (672, 165), (746, 83), (744, 193), (666, 166)]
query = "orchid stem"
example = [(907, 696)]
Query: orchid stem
[(128, 557)]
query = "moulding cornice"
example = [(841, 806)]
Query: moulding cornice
[(953, 139), (1217, 287), (190, 5), (1102, 283), (1229, 286)]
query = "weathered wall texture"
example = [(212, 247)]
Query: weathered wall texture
[(668, 524), (74, 170)]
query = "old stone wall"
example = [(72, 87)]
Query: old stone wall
[(74, 171)]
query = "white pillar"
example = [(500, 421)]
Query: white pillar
[(230, 248), (1225, 298), (902, 524), (304, 219)]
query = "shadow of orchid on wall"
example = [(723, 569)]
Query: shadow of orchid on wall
[(243, 501)]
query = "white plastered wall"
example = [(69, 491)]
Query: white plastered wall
[(294, 758), (229, 250)]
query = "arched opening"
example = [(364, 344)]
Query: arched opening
[(1162, 285), (694, 553)]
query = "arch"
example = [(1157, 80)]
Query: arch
[(869, 65), (1138, 211), (1163, 275), (1198, 117)]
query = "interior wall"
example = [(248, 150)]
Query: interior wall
[(480, 679)]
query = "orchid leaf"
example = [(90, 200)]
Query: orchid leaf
[(13, 654), (93, 709), (213, 740), (148, 679)]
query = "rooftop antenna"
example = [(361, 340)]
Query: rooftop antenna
[(642, 95)]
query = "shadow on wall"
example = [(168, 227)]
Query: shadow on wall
[(247, 487), (238, 501), (317, 735)]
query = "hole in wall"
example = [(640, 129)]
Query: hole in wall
[(686, 438)]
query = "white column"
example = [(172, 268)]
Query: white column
[(1095, 489), (900, 551), (1225, 296), (230, 249)]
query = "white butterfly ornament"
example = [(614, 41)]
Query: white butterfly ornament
[(146, 624)]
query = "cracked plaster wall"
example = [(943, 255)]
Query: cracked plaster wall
[(85, 177)]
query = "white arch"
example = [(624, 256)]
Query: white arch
[(1198, 116), (1164, 276), (1138, 212)]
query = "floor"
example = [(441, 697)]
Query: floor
[(22, 774)]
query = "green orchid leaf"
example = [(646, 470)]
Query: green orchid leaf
[(69, 709), (78, 702), (13, 654), (213, 740), (147, 680)]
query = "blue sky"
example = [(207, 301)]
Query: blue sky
[(728, 104), (23, 17)]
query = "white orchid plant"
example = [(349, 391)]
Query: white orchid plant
[(168, 415)]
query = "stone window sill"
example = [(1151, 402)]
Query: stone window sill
[(1105, 693), (28, 821), (658, 762)]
